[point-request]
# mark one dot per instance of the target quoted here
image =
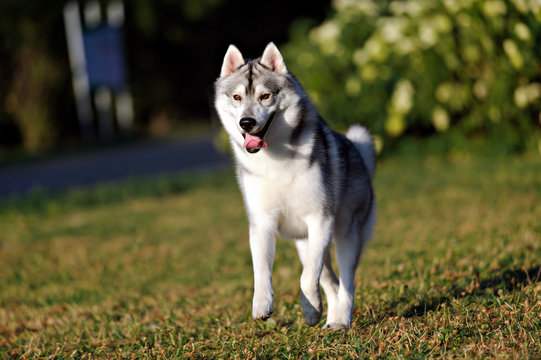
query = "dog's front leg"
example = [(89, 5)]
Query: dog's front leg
[(319, 238), (262, 245)]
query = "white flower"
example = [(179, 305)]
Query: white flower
[(480, 90), (494, 8), (443, 23), (520, 5), (525, 95), (360, 57), (533, 91), (440, 119), (522, 31), (327, 32), (411, 7), (405, 46), (365, 7), (375, 49), (521, 97), (427, 34), (392, 28), (454, 6), (402, 99), (513, 53), (326, 37)]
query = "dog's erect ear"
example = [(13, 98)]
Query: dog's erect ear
[(272, 59), (232, 60)]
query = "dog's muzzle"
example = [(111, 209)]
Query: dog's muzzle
[(254, 142)]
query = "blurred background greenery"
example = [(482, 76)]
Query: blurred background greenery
[(458, 71), (455, 73)]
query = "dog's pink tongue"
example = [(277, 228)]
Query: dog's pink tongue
[(254, 142)]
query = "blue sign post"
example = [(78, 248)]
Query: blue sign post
[(98, 64), (105, 57)]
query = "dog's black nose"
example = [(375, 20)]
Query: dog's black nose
[(247, 123)]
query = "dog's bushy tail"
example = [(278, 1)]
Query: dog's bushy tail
[(364, 142)]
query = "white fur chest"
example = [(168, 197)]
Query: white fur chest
[(286, 191)]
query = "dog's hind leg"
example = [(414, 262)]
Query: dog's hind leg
[(348, 249), (330, 286), (328, 279), (349, 243)]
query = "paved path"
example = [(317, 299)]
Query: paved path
[(115, 163)]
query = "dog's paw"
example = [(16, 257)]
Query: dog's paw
[(312, 311), (262, 315), (312, 316), (335, 326), (262, 310)]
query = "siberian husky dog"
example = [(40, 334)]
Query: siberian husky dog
[(299, 179)]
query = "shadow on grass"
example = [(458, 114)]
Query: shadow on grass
[(507, 281)]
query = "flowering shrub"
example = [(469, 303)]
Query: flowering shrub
[(463, 67)]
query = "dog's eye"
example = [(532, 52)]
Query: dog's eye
[(264, 97), (237, 97)]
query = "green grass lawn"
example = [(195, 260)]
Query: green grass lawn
[(160, 268)]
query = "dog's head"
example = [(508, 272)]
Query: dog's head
[(250, 95)]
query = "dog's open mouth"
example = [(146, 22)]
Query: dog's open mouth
[(255, 142)]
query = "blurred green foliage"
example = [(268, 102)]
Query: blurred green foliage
[(35, 78), (32, 86), (463, 69)]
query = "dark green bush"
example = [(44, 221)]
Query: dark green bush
[(466, 69)]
